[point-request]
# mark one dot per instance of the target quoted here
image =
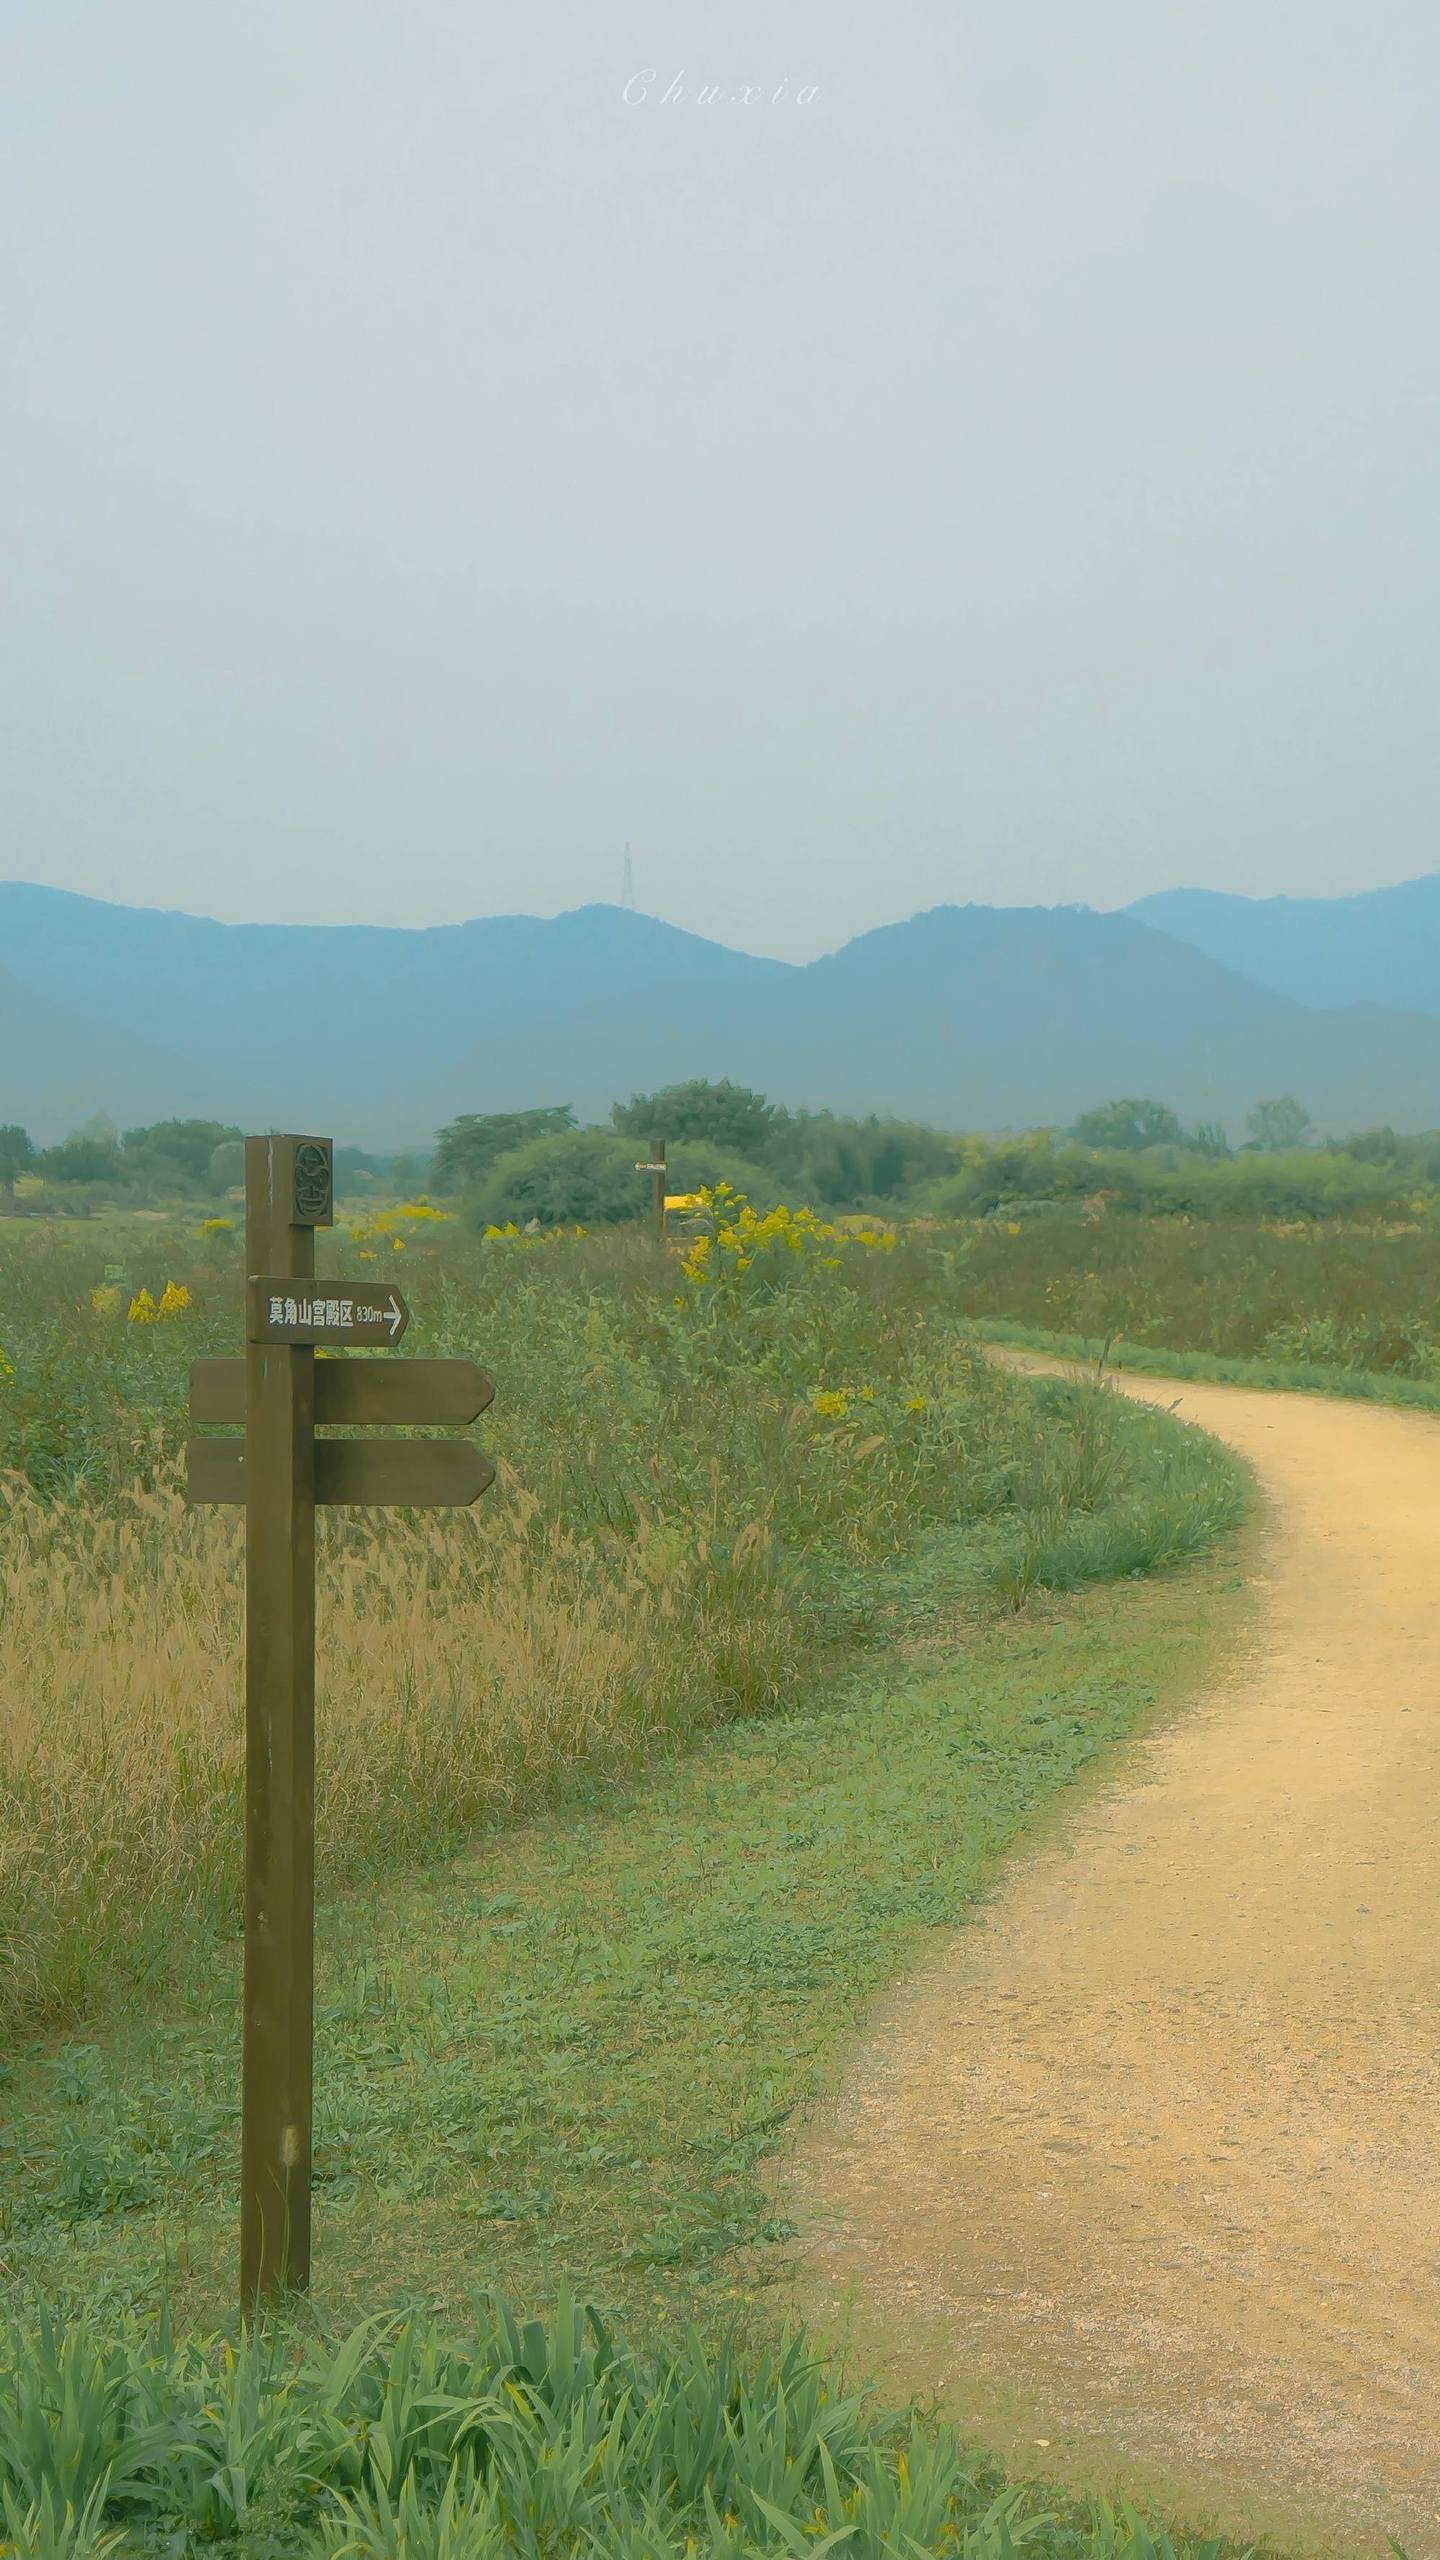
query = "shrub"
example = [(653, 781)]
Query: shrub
[(468, 1150), (580, 1177), (1167, 1183), (587, 1178)]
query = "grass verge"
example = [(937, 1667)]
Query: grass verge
[(573, 2047), (1366, 1386), (525, 2439), (565, 2060)]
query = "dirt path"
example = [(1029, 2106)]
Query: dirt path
[(1142, 2174)]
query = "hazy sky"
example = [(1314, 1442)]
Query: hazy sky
[(1009, 474)]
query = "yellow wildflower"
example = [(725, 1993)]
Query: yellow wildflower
[(143, 1309), (217, 1226), (916, 1404), (833, 1402), (175, 1299)]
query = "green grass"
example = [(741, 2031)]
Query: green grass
[(1366, 1386), (1306, 1296), (708, 1497), (563, 2065), (582, 2039), (526, 2438), (570, 2058)]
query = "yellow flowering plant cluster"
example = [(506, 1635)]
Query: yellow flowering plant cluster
[(174, 1300), (844, 1404), (387, 1226), (729, 1239)]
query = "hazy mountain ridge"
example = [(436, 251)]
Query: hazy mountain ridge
[(1381, 946), (971, 1017)]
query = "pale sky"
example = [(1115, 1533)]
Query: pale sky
[(1009, 474)]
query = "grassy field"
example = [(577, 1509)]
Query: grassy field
[(709, 1476), (572, 2049), (787, 1615), (573, 2053), (1338, 1301)]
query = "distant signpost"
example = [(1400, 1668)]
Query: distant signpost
[(656, 1165), (280, 1471)]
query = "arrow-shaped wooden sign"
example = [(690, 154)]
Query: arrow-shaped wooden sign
[(423, 1473), (358, 1313), (391, 1393)]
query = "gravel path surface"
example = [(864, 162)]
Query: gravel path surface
[(1141, 2175)]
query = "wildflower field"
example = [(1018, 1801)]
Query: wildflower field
[(635, 1783), (1355, 1298), (711, 1467)]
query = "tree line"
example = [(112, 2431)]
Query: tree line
[(542, 1166), (166, 1160)]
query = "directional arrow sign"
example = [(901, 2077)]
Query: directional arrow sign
[(359, 1312), (356, 1391), (364, 1472)]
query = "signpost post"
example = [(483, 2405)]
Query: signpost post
[(279, 1472), (656, 1165)]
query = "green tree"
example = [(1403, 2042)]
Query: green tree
[(467, 1148), (587, 1178), (79, 1159), (176, 1155), (581, 1177), (1375, 1146), (727, 1115), (1278, 1126), (227, 1165), (1209, 1139), (854, 1164), (1128, 1125), (17, 1154)]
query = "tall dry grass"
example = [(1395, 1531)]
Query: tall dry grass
[(467, 1664), (708, 1470)]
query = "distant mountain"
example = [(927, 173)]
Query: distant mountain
[(57, 1068), (346, 1025), (1380, 947), (972, 1017)]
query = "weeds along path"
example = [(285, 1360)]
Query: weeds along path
[(1141, 2174)]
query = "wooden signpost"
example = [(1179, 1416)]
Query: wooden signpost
[(280, 1471), (656, 1165)]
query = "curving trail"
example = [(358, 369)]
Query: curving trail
[(1143, 2174)]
